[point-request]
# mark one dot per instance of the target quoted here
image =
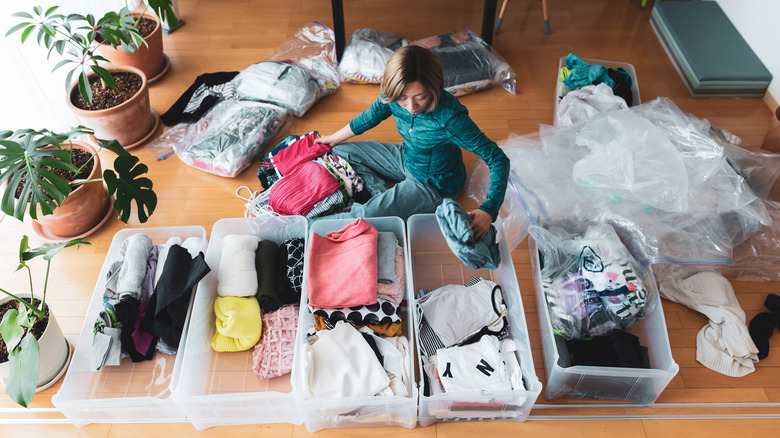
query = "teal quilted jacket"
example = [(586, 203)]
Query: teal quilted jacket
[(432, 143)]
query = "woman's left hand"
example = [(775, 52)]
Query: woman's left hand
[(480, 223)]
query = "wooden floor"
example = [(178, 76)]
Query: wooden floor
[(229, 35)]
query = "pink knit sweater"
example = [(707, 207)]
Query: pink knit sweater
[(342, 269)]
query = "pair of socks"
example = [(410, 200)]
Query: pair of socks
[(762, 326)]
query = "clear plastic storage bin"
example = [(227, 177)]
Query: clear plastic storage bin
[(219, 389), (559, 87), (331, 412), (637, 385), (130, 392), (434, 265)]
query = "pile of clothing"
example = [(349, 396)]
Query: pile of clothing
[(474, 354), (301, 177), (259, 287), (578, 73), (146, 299), (232, 116), (356, 279)]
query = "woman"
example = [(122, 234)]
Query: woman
[(428, 165)]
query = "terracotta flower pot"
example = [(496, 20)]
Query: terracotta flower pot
[(54, 353), (771, 141), (130, 123), (150, 59), (84, 208)]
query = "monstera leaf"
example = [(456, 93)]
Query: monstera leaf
[(127, 183), (28, 159), (164, 10), (26, 162)]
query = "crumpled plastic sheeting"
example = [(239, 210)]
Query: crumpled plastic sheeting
[(586, 102), (758, 257), (700, 224)]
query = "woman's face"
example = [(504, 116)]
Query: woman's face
[(415, 98)]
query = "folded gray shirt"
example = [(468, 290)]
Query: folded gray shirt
[(385, 251)]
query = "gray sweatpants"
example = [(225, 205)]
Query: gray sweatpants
[(376, 162)]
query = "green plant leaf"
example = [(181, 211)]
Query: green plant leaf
[(61, 63), (113, 146), (10, 329), (48, 29), (37, 9), (104, 75), (49, 250), (23, 372), (164, 10), (69, 81), (16, 28), (128, 185), (50, 10), (26, 33), (23, 162), (84, 88), (41, 33), (22, 15)]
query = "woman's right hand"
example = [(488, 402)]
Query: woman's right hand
[(339, 136), (329, 140)]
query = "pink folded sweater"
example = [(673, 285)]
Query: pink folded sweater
[(299, 152), (299, 191), (343, 267)]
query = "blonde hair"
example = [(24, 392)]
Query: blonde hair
[(412, 64)]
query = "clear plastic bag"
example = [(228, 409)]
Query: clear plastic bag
[(469, 63), (592, 284), (720, 208), (631, 158), (227, 139), (279, 83), (313, 47), (366, 54), (758, 257)]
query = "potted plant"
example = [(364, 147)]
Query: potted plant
[(33, 350), (44, 172), (145, 53), (113, 101)]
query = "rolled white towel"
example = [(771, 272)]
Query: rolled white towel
[(237, 271)]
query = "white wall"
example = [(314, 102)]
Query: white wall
[(32, 95), (759, 23)]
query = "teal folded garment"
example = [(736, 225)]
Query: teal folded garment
[(455, 224)]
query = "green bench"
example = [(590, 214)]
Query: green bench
[(708, 52)]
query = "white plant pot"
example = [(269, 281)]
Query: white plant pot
[(55, 353)]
